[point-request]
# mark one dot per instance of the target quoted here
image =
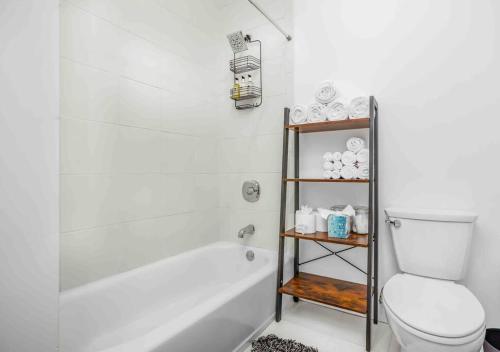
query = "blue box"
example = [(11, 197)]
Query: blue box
[(338, 226)]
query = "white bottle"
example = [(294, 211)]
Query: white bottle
[(242, 82), (250, 81)]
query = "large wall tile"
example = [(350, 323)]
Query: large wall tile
[(88, 146), (88, 93), (92, 254), (89, 200), (179, 192), (139, 104), (89, 39), (206, 191), (179, 153), (139, 150), (139, 60), (143, 196)]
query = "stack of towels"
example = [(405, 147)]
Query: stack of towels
[(328, 107), (350, 164)]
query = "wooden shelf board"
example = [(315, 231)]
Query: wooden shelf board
[(354, 239), (331, 126), (325, 180), (333, 292)]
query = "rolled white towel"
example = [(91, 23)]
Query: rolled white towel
[(326, 92), (327, 174), (363, 156), (328, 156), (363, 171), (348, 172), (359, 108), (315, 112), (328, 165), (335, 174), (337, 156), (337, 165), (336, 111), (355, 144), (298, 114), (348, 158)]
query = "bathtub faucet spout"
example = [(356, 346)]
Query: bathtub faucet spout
[(247, 230)]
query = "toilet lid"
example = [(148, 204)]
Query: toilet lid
[(436, 307)]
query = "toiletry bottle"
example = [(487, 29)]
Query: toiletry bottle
[(243, 85), (236, 89), (250, 81)]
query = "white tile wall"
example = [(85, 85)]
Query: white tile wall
[(251, 142), (139, 157), (153, 153)]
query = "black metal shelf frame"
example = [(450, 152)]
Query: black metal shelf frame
[(372, 249)]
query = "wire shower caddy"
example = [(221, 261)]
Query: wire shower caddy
[(248, 97)]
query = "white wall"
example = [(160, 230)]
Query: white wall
[(433, 66), (139, 121), (250, 144), (29, 65)]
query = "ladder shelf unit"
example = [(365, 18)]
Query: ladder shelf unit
[(348, 296)]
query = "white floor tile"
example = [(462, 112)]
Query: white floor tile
[(329, 330)]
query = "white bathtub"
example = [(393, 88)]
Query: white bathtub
[(211, 299)]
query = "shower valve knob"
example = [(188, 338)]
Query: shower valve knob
[(251, 191)]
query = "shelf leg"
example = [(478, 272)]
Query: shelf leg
[(371, 218), (375, 205), (281, 246), (279, 296), (296, 198)]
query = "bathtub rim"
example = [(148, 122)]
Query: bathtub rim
[(66, 295)]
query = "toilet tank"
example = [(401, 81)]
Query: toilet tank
[(432, 243)]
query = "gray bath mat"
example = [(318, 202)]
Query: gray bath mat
[(272, 343)]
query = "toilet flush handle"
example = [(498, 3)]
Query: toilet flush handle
[(396, 223)]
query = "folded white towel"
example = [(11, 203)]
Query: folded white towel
[(315, 112), (363, 171), (328, 156), (355, 144), (336, 111), (348, 172), (359, 108), (363, 156), (327, 174), (337, 165), (298, 114), (335, 174), (348, 158), (328, 165), (326, 92), (337, 156)]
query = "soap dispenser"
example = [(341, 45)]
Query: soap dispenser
[(236, 89)]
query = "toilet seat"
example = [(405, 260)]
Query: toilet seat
[(435, 310), (457, 341)]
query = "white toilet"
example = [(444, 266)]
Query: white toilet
[(426, 309)]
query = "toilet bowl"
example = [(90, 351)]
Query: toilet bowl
[(425, 307), (433, 315)]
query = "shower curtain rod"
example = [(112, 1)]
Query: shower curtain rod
[(287, 36)]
